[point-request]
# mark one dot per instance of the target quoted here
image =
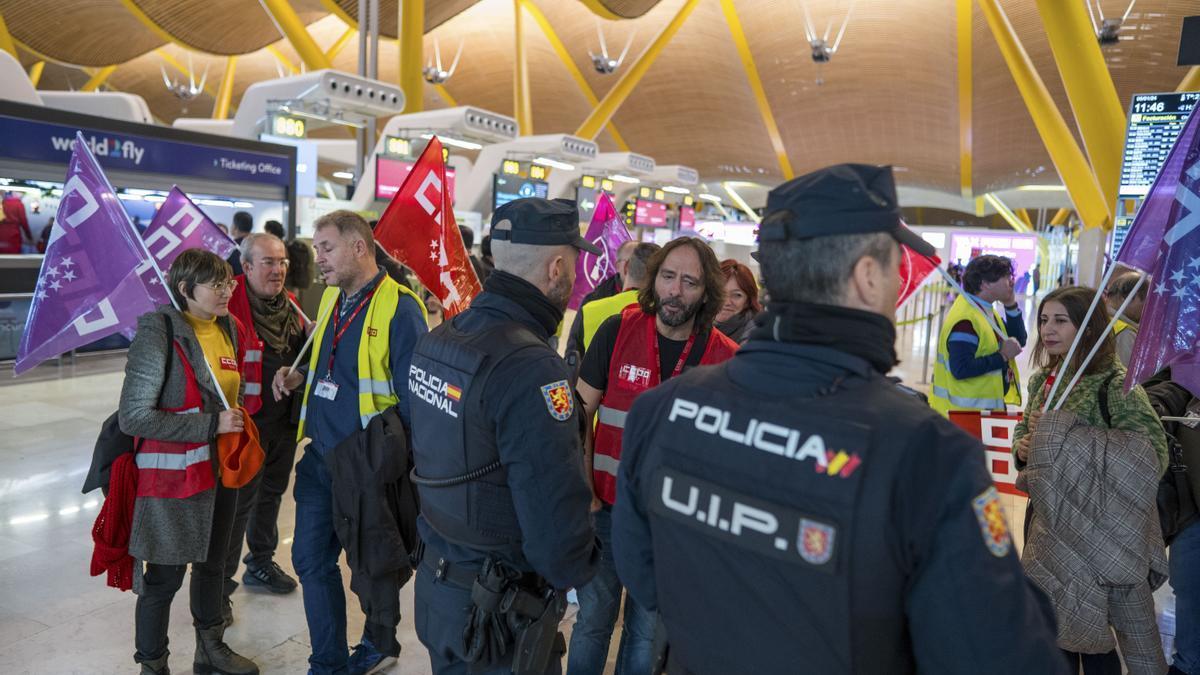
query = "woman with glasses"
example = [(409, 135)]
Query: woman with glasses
[(182, 514)]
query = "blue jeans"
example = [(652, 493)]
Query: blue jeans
[(315, 554), (1185, 581), (599, 602)]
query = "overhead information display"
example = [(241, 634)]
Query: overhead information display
[(1155, 121)]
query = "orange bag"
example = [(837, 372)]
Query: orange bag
[(241, 455)]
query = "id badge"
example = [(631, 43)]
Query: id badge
[(1193, 414), (326, 389)]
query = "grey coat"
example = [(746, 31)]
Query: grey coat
[(170, 531), (1094, 544)]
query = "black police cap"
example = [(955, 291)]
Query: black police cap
[(840, 199), (541, 222)]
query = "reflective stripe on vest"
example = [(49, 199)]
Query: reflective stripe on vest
[(171, 469), (983, 392), (375, 389), (635, 357), (253, 356), (252, 389), (171, 460)]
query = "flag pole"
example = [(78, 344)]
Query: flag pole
[(1079, 334), (312, 334), (1096, 347)]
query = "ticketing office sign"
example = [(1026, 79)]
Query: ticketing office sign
[(46, 142), (995, 431), (1155, 121)]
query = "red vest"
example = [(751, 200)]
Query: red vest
[(250, 346), (174, 469), (632, 369)]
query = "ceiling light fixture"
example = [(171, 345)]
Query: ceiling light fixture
[(344, 175), (676, 190), (456, 142), (554, 164), (621, 178)]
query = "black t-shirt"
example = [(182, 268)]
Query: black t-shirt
[(272, 410), (596, 361)]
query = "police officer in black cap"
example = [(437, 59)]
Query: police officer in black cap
[(846, 526), (497, 458)]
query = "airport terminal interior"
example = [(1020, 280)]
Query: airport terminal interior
[(1048, 132)]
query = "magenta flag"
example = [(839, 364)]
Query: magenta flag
[(608, 232), (1169, 333), (88, 287), (1141, 247), (178, 226)]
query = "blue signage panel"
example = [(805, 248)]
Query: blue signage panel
[(45, 142)]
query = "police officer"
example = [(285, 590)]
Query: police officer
[(497, 458), (848, 527)]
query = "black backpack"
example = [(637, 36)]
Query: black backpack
[(112, 442), (1176, 504)]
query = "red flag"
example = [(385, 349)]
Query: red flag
[(914, 267), (419, 230)]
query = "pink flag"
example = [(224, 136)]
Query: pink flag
[(88, 287), (178, 226), (608, 232)]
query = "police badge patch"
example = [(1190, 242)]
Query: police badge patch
[(992, 522), (816, 541), (559, 401)]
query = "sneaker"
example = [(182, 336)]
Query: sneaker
[(269, 576), (365, 659)]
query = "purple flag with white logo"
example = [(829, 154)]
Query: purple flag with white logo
[(178, 226), (1169, 333), (88, 287), (608, 232), (1141, 247)]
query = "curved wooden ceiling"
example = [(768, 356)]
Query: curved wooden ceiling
[(888, 96)]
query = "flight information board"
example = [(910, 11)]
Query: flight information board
[(1155, 121)]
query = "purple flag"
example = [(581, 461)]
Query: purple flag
[(1141, 247), (1169, 333), (608, 232), (178, 226), (88, 287)]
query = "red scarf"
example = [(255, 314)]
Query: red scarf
[(113, 525)]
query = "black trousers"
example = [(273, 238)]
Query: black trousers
[(1094, 664), (161, 582), (258, 502)]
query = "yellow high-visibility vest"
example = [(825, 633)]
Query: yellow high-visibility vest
[(375, 391), (983, 392), (596, 311)]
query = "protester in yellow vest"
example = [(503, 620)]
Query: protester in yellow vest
[(358, 368), (975, 368), (633, 273), (1126, 328)]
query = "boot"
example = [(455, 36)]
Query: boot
[(156, 667), (214, 656)]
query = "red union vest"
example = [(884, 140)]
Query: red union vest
[(632, 369), (173, 469), (250, 346)]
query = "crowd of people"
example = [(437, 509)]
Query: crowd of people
[(728, 459)]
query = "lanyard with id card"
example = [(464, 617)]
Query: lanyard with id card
[(326, 388)]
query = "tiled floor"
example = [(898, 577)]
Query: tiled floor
[(54, 618)]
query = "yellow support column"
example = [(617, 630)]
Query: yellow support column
[(565, 56), (274, 51), (336, 47), (522, 106), (1094, 100), (225, 91), (1191, 81), (756, 86), (1060, 218), (1006, 213), (412, 54), (98, 78), (35, 73), (6, 41), (1068, 159), (965, 102), (604, 112), (293, 29)]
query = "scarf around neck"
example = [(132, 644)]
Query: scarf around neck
[(528, 296), (275, 321), (867, 335)]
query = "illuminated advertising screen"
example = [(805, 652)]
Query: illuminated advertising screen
[(650, 214), (507, 188), (1020, 248), (687, 218), (1155, 121), (390, 174)]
